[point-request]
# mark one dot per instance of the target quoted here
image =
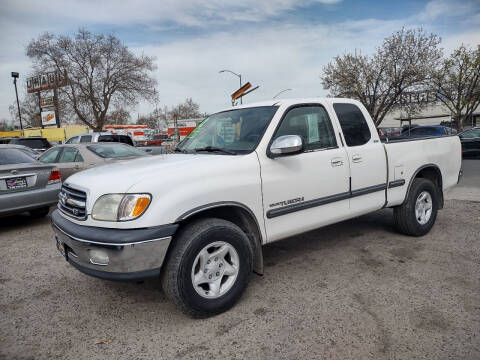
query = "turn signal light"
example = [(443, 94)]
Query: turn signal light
[(55, 176), (140, 206)]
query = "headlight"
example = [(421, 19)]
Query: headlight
[(120, 207)]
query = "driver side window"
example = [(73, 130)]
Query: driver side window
[(312, 124)]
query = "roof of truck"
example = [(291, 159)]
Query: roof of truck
[(292, 101)]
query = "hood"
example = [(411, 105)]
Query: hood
[(118, 177)]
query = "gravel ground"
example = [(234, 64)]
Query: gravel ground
[(355, 290)]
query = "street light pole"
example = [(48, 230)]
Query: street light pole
[(15, 76), (281, 92), (234, 73)]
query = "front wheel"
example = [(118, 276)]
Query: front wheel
[(208, 267), (417, 215)]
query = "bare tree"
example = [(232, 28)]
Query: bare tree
[(30, 111), (161, 117), (457, 82), (101, 72), (186, 110), (118, 116), (401, 64)]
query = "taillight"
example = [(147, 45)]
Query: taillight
[(55, 176)]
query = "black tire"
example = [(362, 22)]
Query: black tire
[(177, 271), (40, 212), (404, 215)]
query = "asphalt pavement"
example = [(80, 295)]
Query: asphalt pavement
[(354, 290)]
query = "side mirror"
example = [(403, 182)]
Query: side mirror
[(286, 145)]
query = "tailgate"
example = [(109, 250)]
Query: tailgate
[(23, 177)]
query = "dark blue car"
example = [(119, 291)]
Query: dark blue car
[(433, 130)]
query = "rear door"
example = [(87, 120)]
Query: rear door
[(366, 156)]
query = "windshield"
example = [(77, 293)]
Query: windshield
[(237, 131), (115, 150)]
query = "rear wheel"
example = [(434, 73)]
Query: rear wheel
[(208, 267), (39, 213), (417, 215)]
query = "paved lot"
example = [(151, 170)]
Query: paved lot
[(355, 290)]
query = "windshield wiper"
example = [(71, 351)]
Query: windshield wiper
[(180, 150), (216, 149)]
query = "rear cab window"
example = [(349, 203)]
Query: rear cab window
[(108, 138), (125, 139), (34, 143), (354, 125), (86, 138)]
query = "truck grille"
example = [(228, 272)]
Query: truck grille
[(72, 202)]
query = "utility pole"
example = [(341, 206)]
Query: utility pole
[(55, 104), (15, 75), (239, 77), (40, 107)]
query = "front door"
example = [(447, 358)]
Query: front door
[(305, 191)]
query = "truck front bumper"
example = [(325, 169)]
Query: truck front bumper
[(113, 254)]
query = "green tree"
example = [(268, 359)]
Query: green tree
[(457, 82), (401, 64)]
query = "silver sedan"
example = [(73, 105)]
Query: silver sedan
[(71, 158), (26, 184)]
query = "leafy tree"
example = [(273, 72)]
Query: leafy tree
[(401, 64), (457, 82), (101, 72)]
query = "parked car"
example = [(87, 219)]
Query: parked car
[(470, 140), (71, 158), (100, 137), (156, 139), (26, 184), (389, 131), (424, 131), (27, 150), (247, 176), (37, 143)]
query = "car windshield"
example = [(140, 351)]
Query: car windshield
[(235, 131), (115, 150), (14, 156)]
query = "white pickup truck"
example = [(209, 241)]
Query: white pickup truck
[(247, 176)]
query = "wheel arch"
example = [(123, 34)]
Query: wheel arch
[(237, 213), (431, 172)]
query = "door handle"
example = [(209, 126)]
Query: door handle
[(356, 158), (337, 162)]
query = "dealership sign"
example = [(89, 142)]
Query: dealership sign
[(46, 81), (48, 118), (46, 102)]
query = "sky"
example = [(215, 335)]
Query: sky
[(276, 44)]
